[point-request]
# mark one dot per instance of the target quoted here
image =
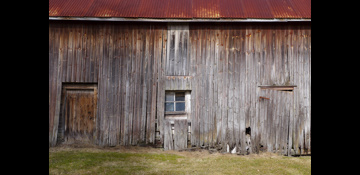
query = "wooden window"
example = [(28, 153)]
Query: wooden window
[(175, 102)]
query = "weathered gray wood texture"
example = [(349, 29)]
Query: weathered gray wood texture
[(229, 63), (223, 64), (180, 134), (168, 136), (123, 60), (177, 58)]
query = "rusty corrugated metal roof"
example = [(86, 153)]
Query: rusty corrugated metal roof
[(182, 9)]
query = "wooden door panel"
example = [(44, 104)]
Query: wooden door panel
[(78, 117), (180, 134), (275, 120), (175, 139)]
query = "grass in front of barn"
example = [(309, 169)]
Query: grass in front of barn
[(140, 160)]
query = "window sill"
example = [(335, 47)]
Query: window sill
[(176, 113)]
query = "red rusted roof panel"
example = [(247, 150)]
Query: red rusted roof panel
[(257, 9), (253, 9), (164, 9), (206, 8), (232, 9), (302, 7), (113, 8), (282, 9)]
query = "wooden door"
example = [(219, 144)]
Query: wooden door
[(275, 120), (78, 113), (175, 136)]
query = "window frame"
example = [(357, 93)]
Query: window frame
[(174, 102)]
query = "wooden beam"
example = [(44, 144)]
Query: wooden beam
[(279, 88), (264, 98)]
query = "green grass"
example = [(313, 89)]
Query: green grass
[(122, 161)]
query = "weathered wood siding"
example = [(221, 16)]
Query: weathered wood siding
[(229, 63), (123, 60), (177, 58), (222, 64)]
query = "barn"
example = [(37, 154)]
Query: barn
[(230, 75)]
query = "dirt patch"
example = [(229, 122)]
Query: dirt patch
[(148, 149), (95, 148)]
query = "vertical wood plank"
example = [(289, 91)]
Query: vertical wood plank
[(168, 136), (180, 134)]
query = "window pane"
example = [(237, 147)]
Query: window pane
[(169, 106), (169, 97), (180, 96), (180, 106)]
